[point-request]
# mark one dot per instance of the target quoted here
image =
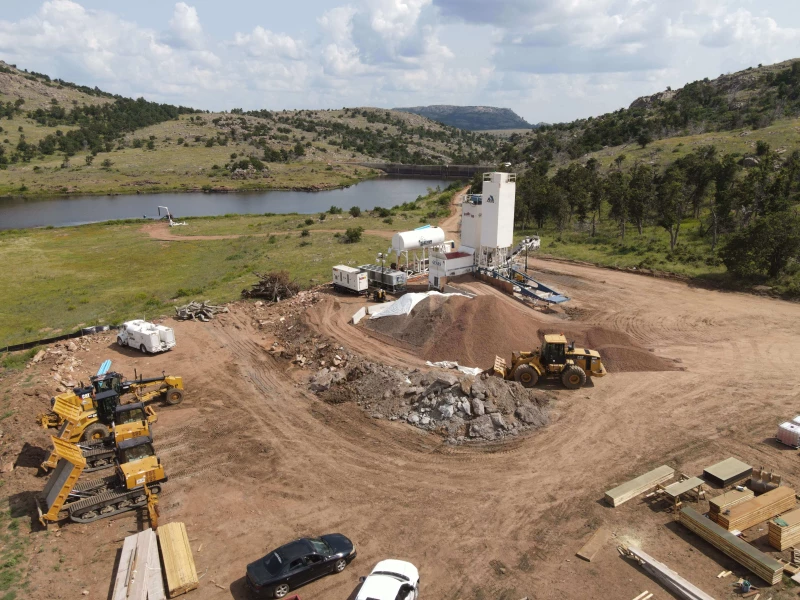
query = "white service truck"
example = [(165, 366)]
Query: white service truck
[(147, 337), (350, 279)]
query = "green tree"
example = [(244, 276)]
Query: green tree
[(355, 211), (765, 247), (641, 195), (616, 191), (107, 163), (89, 160), (673, 203), (353, 235)]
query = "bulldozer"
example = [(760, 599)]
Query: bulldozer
[(90, 429), (556, 358), (168, 387), (139, 473)]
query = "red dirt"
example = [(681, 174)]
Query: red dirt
[(474, 331)]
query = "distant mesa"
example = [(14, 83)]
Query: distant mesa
[(472, 118)]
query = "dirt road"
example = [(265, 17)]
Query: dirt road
[(256, 460)]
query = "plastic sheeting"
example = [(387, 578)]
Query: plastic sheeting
[(449, 364), (789, 434), (406, 303)]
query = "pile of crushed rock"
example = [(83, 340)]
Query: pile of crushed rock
[(460, 407)]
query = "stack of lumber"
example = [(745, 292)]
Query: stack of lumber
[(784, 531), (719, 504), (757, 510), (178, 561), (139, 572), (634, 487), (676, 584), (766, 567), (273, 286), (200, 311)]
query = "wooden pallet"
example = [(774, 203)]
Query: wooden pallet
[(752, 512), (784, 531), (178, 561), (634, 487), (762, 565)]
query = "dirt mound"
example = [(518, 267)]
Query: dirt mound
[(474, 331)]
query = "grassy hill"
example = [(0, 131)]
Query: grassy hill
[(57, 137), (472, 118)]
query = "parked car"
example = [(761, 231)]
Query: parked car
[(147, 337), (391, 580), (298, 563)]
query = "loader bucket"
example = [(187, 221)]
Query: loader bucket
[(500, 369)]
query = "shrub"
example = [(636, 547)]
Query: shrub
[(353, 235), (305, 233), (335, 210), (309, 221), (355, 211)]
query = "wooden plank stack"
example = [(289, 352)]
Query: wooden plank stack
[(757, 510), (634, 487), (762, 565), (178, 561), (784, 531), (719, 504), (593, 544), (139, 572), (676, 584)]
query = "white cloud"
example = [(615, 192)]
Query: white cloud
[(548, 59)]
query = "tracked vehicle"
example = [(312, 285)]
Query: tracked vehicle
[(138, 472)]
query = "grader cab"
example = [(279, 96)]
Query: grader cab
[(556, 358)]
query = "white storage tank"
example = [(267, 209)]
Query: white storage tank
[(417, 238), (497, 221)]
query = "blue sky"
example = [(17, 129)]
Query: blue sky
[(549, 60)]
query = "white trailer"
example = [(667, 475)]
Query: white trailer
[(147, 337), (350, 279)]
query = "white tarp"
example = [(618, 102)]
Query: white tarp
[(406, 303), (449, 364)]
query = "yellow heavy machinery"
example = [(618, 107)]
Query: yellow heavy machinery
[(88, 429), (139, 473), (555, 358), (167, 387)]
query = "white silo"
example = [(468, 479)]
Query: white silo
[(471, 221), (497, 220)]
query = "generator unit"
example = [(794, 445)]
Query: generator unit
[(385, 277), (350, 279)]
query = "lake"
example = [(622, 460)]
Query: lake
[(19, 213)]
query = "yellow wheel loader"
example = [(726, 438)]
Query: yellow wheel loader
[(99, 432), (555, 358), (139, 470)]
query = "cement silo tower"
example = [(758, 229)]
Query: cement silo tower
[(497, 219)]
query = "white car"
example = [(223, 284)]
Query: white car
[(391, 580), (147, 337)]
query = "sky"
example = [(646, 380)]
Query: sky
[(548, 60)]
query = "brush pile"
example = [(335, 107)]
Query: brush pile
[(198, 311), (274, 287)]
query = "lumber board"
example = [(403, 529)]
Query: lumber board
[(146, 555), (154, 578), (784, 531), (179, 567), (762, 565), (123, 575), (757, 510), (670, 579), (593, 544), (630, 489), (728, 500)]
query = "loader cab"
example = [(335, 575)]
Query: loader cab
[(554, 350), (135, 449), (106, 403), (137, 463)]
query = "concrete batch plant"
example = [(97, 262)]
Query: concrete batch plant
[(487, 231)]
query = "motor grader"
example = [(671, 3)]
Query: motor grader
[(139, 474), (89, 430), (555, 358), (168, 387)]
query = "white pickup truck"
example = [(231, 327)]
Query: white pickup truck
[(147, 337), (390, 580)]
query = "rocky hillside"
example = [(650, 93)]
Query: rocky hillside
[(747, 100), (472, 118)]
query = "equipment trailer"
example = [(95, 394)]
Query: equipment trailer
[(139, 473)]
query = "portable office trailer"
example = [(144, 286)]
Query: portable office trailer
[(350, 279)]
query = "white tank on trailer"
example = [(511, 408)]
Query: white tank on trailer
[(417, 238)]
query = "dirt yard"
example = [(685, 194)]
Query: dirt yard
[(256, 459)]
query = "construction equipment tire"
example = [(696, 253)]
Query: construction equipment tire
[(120, 342), (143, 349), (173, 396), (95, 431), (573, 377), (526, 375)]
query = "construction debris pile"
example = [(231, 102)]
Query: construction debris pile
[(198, 311), (274, 286)]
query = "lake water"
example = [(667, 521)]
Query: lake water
[(18, 213)]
